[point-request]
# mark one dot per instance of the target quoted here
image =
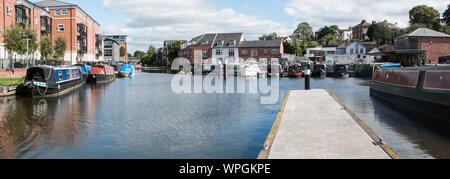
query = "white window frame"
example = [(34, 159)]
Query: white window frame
[(57, 12), (231, 53), (218, 52), (254, 53), (266, 51), (274, 50), (8, 9), (35, 20), (58, 28), (63, 12)]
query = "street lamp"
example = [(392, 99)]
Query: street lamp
[(27, 38)]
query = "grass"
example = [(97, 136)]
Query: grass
[(11, 81)]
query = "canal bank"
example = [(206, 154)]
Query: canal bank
[(141, 117)]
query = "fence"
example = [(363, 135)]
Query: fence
[(24, 63)]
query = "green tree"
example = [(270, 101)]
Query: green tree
[(46, 47), (303, 30), (423, 14), (323, 31), (329, 39), (173, 52), (139, 54), (60, 47), (446, 16), (122, 51), (272, 36), (14, 42)]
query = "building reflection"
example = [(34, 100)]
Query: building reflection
[(28, 126)]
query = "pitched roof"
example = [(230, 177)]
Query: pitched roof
[(227, 37), (53, 3), (261, 43), (425, 32)]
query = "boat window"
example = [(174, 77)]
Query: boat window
[(60, 76), (68, 75)]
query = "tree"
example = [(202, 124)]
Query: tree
[(14, 42), (272, 36), (139, 54), (329, 39), (323, 31), (303, 30), (122, 51), (60, 47), (173, 52), (46, 47), (423, 14), (446, 16)]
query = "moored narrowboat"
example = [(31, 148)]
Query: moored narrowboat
[(50, 81), (295, 71), (127, 70), (102, 74), (319, 70), (85, 71), (341, 71), (422, 89)]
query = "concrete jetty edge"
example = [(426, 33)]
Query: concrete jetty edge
[(265, 151)]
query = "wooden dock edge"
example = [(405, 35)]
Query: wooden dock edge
[(366, 128), (265, 151)]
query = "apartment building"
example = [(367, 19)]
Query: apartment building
[(79, 29), (122, 40), (112, 50), (25, 13), (264, 51)]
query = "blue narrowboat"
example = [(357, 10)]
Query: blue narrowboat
[(85, 71), (127, 70), (51, 81)]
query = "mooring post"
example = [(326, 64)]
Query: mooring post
[(307, 79)]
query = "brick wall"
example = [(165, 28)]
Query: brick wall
[(18, 73), (435, 47)]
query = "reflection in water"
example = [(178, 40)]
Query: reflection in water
[(140, 117)]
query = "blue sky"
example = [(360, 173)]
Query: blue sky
[(150, 22)]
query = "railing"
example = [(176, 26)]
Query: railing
[(82, 49)]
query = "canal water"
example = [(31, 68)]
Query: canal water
[(141, 117)]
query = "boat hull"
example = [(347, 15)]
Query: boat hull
[(101, 78), (32, 90), (124, 74), (432, 103)]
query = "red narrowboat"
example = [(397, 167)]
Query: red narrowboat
[(102, 74), (423, 89)]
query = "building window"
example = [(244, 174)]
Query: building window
[(64, 12), (205, 54), (266, 51), (232, 43), (220, 43), (57, 12), (254, 52), (361, 51), (60, 28), (231, 53), (35, 20), (352, 51), (8, 9), (274, 51), (218, 52), (244, 52)]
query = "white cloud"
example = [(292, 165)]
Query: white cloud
[(346, 13), (153, 21)]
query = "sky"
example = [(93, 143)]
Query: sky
[(150, 22)]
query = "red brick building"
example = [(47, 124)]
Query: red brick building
[(420, 43), (262, 51), (359, 31)]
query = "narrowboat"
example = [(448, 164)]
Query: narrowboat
[(85, 71), (102, 74), (423, 89), (127, 70), (50, 81), (319, 71), (341, 71), (295, 71)]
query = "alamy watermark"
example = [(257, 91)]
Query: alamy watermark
[(214, 81)]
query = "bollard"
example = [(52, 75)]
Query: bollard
[(308, 79)]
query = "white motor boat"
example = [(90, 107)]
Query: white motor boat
[(250, 69)]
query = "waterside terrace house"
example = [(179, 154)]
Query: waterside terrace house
[(264, 51), (351, 49), (77, 28), (225, 48), (199, 47)]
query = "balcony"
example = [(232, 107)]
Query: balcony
[(82, 34), (82, 49)]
